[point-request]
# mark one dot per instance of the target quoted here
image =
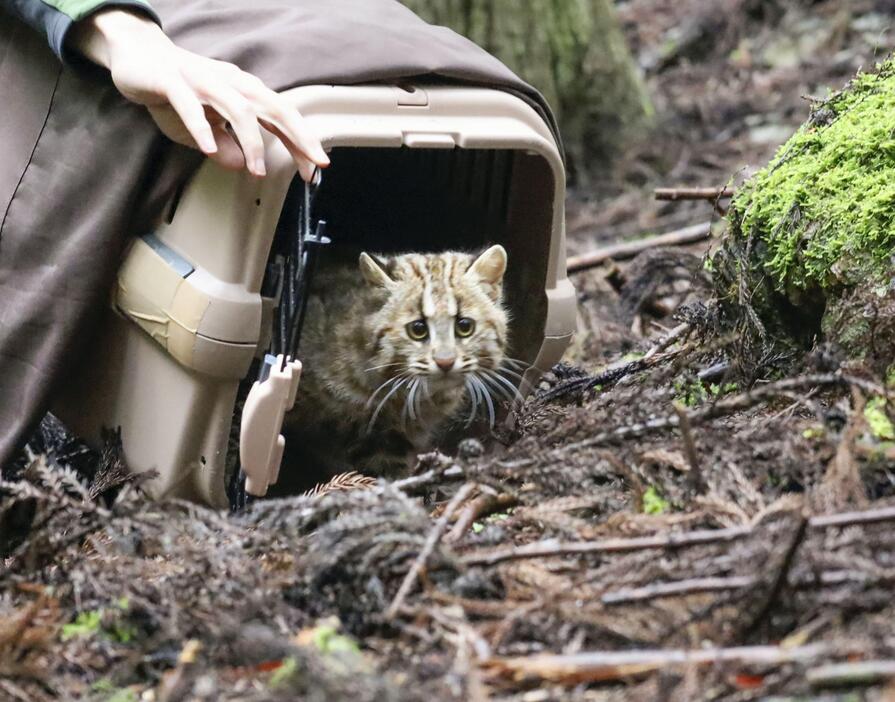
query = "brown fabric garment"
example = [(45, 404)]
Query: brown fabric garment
[(81, 170)]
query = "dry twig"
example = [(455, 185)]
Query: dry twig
[(480, 507), (432, 540), (675, 194), (552, 547), (601, 666), (629, 249), (856, 673)]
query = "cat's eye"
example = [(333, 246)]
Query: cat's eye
[(464, 326), (418, 330)]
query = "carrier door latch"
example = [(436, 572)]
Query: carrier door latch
[(260, 443), (411, 96)]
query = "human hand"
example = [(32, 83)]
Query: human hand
[(196, 101)]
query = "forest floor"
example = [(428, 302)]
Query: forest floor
[(653, 528)]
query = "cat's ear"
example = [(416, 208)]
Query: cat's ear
[(490, 266), (373, 272)]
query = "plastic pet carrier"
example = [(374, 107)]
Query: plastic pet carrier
[(421, 168)]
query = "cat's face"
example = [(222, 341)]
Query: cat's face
[(441, 322)]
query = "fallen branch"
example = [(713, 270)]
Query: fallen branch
[(553, 547), (429, 477), (601, 666), (480, 507), (629, 249), (695, 479), (432, 540), (616, 372), (675, 194), (867, 516), (857, 673), (719, 408), (691, 586)]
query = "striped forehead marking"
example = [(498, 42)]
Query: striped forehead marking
[(438, 295)]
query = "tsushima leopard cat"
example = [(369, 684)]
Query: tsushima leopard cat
[(395, 349)]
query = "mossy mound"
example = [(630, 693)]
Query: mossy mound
[(816, 227)]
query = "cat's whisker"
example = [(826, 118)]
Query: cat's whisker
[(407, 407), (513, 390), (490, 382), (515, 363), (382, 386), (474, 397), (423, 383), (410, 400), (385, 399), (498, 388), (486, 395), (508, 371), (513, 377), (384, 365)]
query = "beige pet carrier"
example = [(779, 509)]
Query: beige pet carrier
[(427, 167)]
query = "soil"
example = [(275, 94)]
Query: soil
[(661, 522)]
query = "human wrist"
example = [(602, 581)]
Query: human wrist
[(103, 34)]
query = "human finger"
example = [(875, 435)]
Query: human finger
[(241, 115), (306, 167), (192, 113), (292, 129), (229, 154)]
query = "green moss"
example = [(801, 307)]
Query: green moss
[(824, 209), (110, 623), (690, 392), (284, 674), (878, 421), (815, 432), (85, 624), (653, 502)]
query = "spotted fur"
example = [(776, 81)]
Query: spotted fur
[(373, 393)]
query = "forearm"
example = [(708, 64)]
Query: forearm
[(56, 18)]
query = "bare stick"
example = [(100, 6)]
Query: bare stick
[(478, 508), (882, 514), (691, 586), (595, 666), (726, 405), (430, 477), (617, 371), (629, 249), (675, 194), (695, 479), (670, 338), (779, 577), (432, 540), (554, 547), (857, 673)]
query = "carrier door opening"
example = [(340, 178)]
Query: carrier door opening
[(387, 200)]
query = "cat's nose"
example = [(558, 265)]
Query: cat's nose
[(445, 362)]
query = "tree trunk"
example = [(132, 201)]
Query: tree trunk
[(573, 51)]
